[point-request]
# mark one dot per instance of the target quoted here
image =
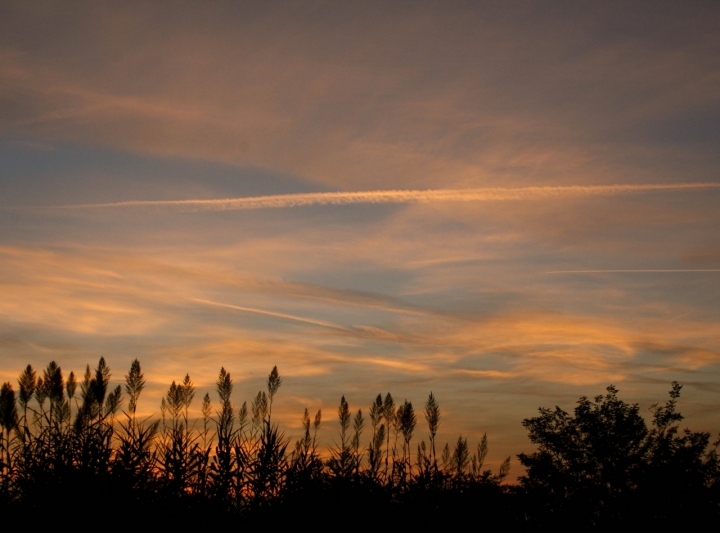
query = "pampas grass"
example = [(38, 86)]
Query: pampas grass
[(90, 451)]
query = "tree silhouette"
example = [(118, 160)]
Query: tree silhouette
[(603, 466)]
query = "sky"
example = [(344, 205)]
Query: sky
[(509, 204)]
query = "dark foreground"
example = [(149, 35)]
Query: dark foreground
[(68, 458)]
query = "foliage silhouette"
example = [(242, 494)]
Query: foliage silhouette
[(598, 467), (603, 466)]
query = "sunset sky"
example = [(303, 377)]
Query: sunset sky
[(510, 204)]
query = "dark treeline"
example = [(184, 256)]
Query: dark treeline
[(81, 455)]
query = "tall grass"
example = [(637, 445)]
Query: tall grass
[(56, 445)]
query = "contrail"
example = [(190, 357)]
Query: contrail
[(490, 194), (322, 323), (649, 271)]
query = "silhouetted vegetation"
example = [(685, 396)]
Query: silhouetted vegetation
[(85, 456), (604, 466)]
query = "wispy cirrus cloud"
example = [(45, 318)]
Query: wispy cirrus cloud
[(487, 194), (322, 323), (636, 271)]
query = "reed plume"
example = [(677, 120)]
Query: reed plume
[(432, 417)]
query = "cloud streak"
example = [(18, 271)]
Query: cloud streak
[(488, 194), (637, 271), (322, 323)]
